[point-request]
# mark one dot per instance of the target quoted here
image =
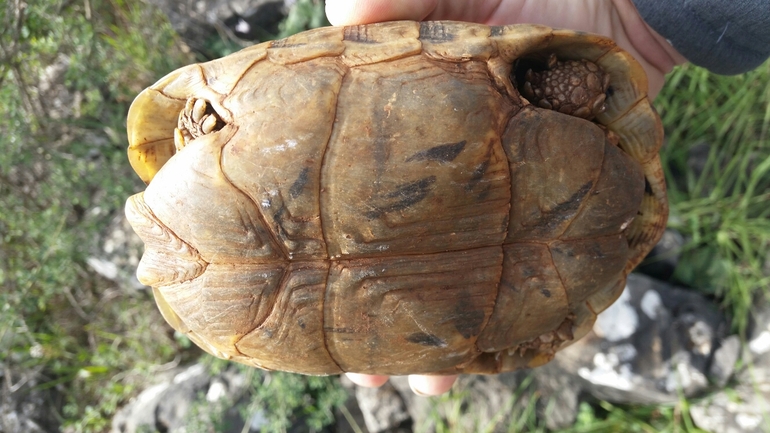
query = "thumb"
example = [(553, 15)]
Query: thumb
[(349, 12)]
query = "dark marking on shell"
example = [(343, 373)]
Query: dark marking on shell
[(467, 318), (573, 202), (508, 285), (340, 330), (425, 339), (299, 184), (477, 175), (564, 210), (482, 196), (610, 91), (358, 34), (284, 43), (435, 32), (546, 293), (596, 251), (496, 30), (441, 153), (405, 195), (278, 219), (381, 151)]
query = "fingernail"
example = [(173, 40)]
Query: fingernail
[(418, 392)]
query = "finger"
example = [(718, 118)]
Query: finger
[(349, 12), (431, 385), (367, 380)]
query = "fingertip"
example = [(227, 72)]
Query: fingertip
[(367, 380), (350, 12), (341, 12), (431, 385)]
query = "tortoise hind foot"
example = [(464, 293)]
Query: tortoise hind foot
[(197, 118)]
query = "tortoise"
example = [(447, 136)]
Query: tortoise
[(397, 198)]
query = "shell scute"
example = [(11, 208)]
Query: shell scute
[(168, 258), (224, 303), (378, 321), (531, 298), (369, 44), (455, 41), (543, 171), (222, 77), (291, 337), (193, 180), (323, 42), (377, 113), (285, 157)]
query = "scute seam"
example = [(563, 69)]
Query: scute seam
[(202, 73), (169, 96), (561, 279), (494, 304), (274, 241), (281, 283), (193, 249), (323, 321), (321, 221), (587, 194), (501, 133), (652, 154), (323, 164)]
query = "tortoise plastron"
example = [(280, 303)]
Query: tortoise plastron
[(397, 198)]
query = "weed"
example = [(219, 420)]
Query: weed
[(64, 90), (720, 199), (280, 401)]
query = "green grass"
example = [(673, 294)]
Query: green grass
[(62, 179), (456, 411), (724, 210), (285, 400)]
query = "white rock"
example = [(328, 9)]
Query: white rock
[(760, 344), (619, 321), (651, 304)]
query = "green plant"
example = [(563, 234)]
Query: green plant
[(67, 72), (304, 15), (609, 418), (291, 398), (283, 400), (721, 203), (456, 411)]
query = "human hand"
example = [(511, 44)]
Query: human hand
[(421, 385), (617, 19)]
